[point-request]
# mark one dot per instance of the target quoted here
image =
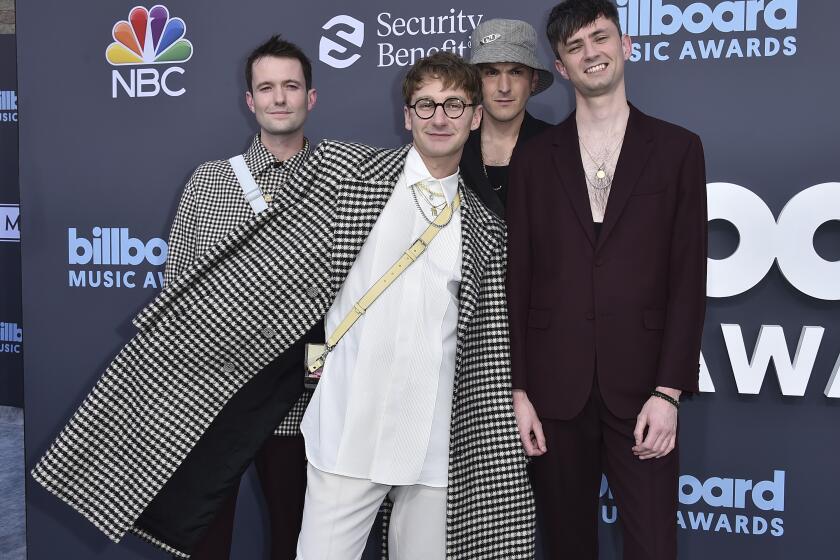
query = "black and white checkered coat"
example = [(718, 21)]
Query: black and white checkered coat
[(254, 294), (212, 205)]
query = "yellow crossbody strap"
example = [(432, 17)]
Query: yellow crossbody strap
[(408, 257)]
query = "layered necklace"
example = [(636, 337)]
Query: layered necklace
[(435, 199), (599, 170), (497, 162)]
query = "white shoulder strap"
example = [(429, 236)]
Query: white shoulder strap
[(250, 189)]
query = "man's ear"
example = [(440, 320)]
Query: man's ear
[(626, 46), (407, 116), (561, 68), (249, 101), (476, 118)]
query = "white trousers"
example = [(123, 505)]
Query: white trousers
[(339, 512)]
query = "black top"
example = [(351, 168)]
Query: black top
[(598, 226), (472, 169), (497, 177)]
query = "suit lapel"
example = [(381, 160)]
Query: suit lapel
[(569, 168), (361, 199), (634, 155), (478, 242)]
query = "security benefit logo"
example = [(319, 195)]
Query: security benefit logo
[(8, 107), (11, 338), (9, 223), (711, 30), (111, 258), (402, 39), (345, 36), (146, 46), (724, 505)]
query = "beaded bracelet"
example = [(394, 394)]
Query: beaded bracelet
[(668, 398)]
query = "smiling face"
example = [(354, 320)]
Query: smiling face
[(593, 58), (440, 139), (506, 87), (279, 98)]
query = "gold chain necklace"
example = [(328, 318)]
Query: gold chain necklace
[(601, 180)]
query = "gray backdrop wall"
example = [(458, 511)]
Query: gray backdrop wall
[(105, 146)]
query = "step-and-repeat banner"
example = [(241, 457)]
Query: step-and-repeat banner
[(11, 329), (107, 147)]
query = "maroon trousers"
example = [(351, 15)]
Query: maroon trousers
[(567, 481), (281, 469)]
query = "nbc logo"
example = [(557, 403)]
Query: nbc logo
[(11, 335), (148, 37), (9, 223)]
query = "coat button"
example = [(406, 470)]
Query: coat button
[(228, 368), (312, 291), (268, 332), (590, 316)]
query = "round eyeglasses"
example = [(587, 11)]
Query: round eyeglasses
[(453, 107)]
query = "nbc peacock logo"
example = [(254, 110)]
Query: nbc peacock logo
[(147, 38)]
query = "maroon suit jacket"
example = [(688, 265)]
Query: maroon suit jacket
[(631, 301)]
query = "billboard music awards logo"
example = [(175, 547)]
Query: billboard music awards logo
[(663, 31), (8, 106), (148, 38), (721, 505), (9, 223), (111, 258), (11, 337), (402, 40)]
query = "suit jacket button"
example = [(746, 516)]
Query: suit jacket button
[(228, 368), (590, 316), (268, 332), (312, 291)]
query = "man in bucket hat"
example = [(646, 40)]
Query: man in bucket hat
[(505, 51)]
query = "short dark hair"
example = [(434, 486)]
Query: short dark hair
[(279, 47), (451, 69), (570, 16)]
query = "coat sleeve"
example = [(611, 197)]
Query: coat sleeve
[(182, 235), (518, 269), (679, 359), (316, 170)]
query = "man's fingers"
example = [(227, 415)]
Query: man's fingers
[(525, 436), (639, 431), (540, 437)]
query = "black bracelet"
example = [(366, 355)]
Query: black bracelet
[(668, 398)]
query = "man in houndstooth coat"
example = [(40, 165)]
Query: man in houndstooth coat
[(140, 457)]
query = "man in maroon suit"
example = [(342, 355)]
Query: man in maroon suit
[(606, 289)]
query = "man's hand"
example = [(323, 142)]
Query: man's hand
[(530, 428), (659, 417)]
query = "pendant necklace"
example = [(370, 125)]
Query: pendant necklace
[(500, 162)]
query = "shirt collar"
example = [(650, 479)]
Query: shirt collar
[(259, 159), (416, 171)]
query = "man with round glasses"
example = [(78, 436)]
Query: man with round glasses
[(505, 52), (400, 411)]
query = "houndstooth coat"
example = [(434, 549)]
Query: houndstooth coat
[(128, 460)]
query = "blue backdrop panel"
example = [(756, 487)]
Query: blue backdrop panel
[(11, 324), (109, 155)]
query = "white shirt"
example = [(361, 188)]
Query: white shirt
[(382, 408)]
